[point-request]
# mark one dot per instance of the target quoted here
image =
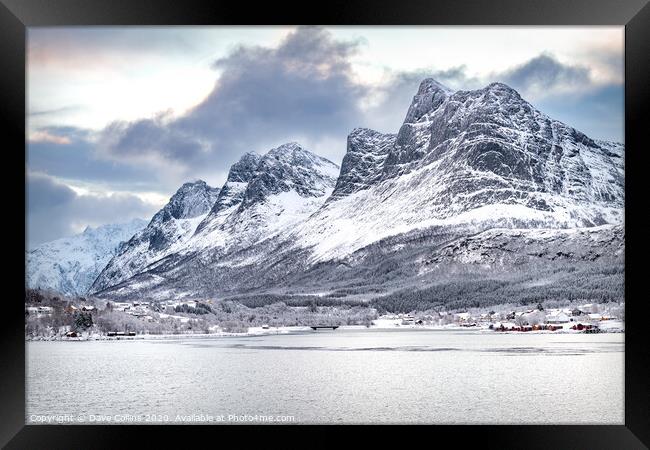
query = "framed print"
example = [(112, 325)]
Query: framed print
[(286, 219)]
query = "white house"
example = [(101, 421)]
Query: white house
[(558, 317)]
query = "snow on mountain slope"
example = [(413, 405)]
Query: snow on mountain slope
[(167, 233), (505, 246), (462, 163), (486, 157), (262, 197), (287, 185), (70, 265), (232, 192)]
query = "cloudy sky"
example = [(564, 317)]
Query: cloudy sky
[(119, 118)]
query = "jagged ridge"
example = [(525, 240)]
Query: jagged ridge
[(462, 163)]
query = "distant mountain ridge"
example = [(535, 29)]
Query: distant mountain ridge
[(70, 265)]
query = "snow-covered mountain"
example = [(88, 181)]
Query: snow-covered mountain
[(70, 265), (263, 197), (485, 156), (462, 163), (265, 194), (166, 233)]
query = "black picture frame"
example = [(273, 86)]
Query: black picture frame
[(16, 15)]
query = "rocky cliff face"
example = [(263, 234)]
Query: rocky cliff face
[(285, 186), (232, 192), (363, 163), (486, 157), (166, 233)]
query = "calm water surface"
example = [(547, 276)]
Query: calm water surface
[(342, 376)]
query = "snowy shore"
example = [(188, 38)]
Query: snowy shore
[(611, 326)]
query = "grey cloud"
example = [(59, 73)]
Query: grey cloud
[(151, 136), (593, 108), (78, 160), (544, 72), (454, 77), (303, 89), (599, 114), (43, 193), (55, 210)]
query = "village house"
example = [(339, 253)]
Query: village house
[(407, 319), (557, 317)]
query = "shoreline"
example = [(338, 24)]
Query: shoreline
[(289, 330)]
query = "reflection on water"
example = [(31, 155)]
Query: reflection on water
[(343, 376)]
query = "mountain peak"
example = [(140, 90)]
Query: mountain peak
[(287, 146), (288, 149), (169, 227), (197, 182), (499, 86), (290, 167), (431, 94), (191, 186), (429, 85), (190, 200), (242, 171), (501, 89), (362, 131), (71, 264), (296, 155)]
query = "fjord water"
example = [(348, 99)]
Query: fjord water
[(342, 376)]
